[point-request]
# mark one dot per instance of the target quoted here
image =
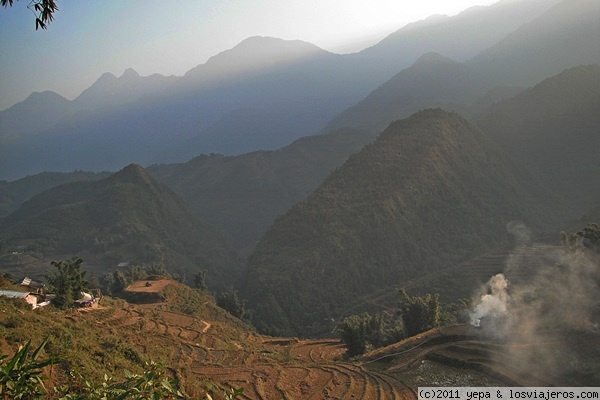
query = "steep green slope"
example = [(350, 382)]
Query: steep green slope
[(125, 217), (243, 195), (552, 129), (430, 192)]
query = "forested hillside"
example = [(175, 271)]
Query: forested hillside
[(242, 195), (127, 217), (552, 130), (430, 192)]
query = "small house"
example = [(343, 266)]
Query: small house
[(39, 287), (86, 300), (30, 298)]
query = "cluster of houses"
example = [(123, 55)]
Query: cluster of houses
[(37, 296)]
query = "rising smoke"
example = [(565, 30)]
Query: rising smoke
[(540, 308), (492, 310)]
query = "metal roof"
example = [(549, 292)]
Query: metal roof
[(13, 294)]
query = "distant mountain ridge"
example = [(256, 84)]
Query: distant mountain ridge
[(297, 89), (552, 130), (41, 111), (111, 91), (249, 57), (565, 36), (562, 37), (460, 37), (432, 81)]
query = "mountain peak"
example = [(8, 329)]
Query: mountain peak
[(45, 96), (106, 77), (269, 42), (130, 73), (366, 220), (254, 55), (133, 173), (431, 58), (132, 169), (264, 51)]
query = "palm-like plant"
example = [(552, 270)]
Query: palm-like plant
[(21, 375)]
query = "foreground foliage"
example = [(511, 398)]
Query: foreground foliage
[(152, 384), (20, 376)]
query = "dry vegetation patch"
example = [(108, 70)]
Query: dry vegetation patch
[(149, 286)]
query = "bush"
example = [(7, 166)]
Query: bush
[(230, 302), (362, 332), (419, 314)]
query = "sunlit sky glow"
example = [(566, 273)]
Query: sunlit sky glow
[(89, 38)]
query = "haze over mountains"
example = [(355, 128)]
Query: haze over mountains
[(338, 175), (274, 92)]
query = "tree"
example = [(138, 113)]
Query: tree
[(156, 269), (591, 236), (360, 332), (419, 313), (200, 280), (42, 9), (68, 282), (352, 331), (230, 302), (119, 283)]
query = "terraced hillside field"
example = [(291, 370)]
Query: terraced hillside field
[(265, 367), (519, 264), (208, 351)]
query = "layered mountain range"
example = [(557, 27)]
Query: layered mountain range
[(262, 94), (367, 171)]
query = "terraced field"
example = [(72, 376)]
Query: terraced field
[(266, 368), (462, 280), (291, 368), (209, 351), (461, 356)]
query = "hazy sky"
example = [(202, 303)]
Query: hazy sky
[(91, 37)]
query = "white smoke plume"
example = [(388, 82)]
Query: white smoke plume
[(493, 305), (540, 309)]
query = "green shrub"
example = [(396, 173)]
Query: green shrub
[(419, 313), (20, 376)]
